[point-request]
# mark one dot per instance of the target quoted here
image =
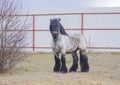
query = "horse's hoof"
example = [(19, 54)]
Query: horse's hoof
[(64, 70), (85, 70), (72, 70), (56, 70)]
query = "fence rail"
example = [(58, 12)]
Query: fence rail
[(82, 28)]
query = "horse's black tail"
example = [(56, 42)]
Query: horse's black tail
[(84, 61)]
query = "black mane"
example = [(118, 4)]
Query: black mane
[(62, 30)]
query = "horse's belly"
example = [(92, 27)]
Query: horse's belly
[(71, 49)]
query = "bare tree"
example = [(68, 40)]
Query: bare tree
[(12, 34)]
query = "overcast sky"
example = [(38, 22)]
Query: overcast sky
[(68, 4)]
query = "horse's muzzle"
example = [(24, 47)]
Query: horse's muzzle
[(55, 35)]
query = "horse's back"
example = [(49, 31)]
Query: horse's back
[(80, 38)]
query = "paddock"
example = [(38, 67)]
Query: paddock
[(100, 26), (37, 69)]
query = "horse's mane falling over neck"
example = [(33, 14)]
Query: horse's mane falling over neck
[(62, 30)]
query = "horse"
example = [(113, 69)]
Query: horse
[(65, 43)]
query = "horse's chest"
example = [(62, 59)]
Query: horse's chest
[(57, 47)]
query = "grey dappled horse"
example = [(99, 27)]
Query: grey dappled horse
[(64, 43)]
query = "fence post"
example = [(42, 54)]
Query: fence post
[(33, 33), (82, 23)]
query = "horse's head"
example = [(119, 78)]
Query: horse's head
[(55, 27)]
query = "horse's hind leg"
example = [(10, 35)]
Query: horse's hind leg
[(84, 61), (75, 62), (57, 63)]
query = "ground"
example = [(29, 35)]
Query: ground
[(37, 69)]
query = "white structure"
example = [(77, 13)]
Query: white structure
[(96, 38)]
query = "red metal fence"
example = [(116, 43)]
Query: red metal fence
[(82, 28)]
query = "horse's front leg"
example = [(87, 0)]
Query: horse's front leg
[(63, 67), (57, 63)]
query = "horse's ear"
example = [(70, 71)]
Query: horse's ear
[(59, 19)]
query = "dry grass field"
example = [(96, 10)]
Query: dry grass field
[(37, 69)]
